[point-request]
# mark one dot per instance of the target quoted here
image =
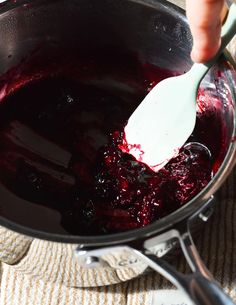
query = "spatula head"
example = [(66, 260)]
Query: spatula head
[(163, 122)]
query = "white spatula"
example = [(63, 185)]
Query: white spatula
[(165, 119)]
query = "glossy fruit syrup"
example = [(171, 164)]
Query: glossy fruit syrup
[(60, 148)]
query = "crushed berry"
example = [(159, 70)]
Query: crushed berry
[(131, 185)]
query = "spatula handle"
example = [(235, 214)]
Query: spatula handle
[(229, 28)]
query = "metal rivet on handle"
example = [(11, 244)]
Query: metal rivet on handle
[(204, 216)]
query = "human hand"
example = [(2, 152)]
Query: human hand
[(205, 19)]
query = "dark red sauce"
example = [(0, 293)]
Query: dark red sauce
[(59, 147)]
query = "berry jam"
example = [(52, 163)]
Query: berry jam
[(59, 148)]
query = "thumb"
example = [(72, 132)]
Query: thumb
[(205, 17)]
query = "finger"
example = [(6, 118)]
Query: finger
[(205, 23)]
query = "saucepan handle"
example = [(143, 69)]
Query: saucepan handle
[(205, 292), (199, 285)]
